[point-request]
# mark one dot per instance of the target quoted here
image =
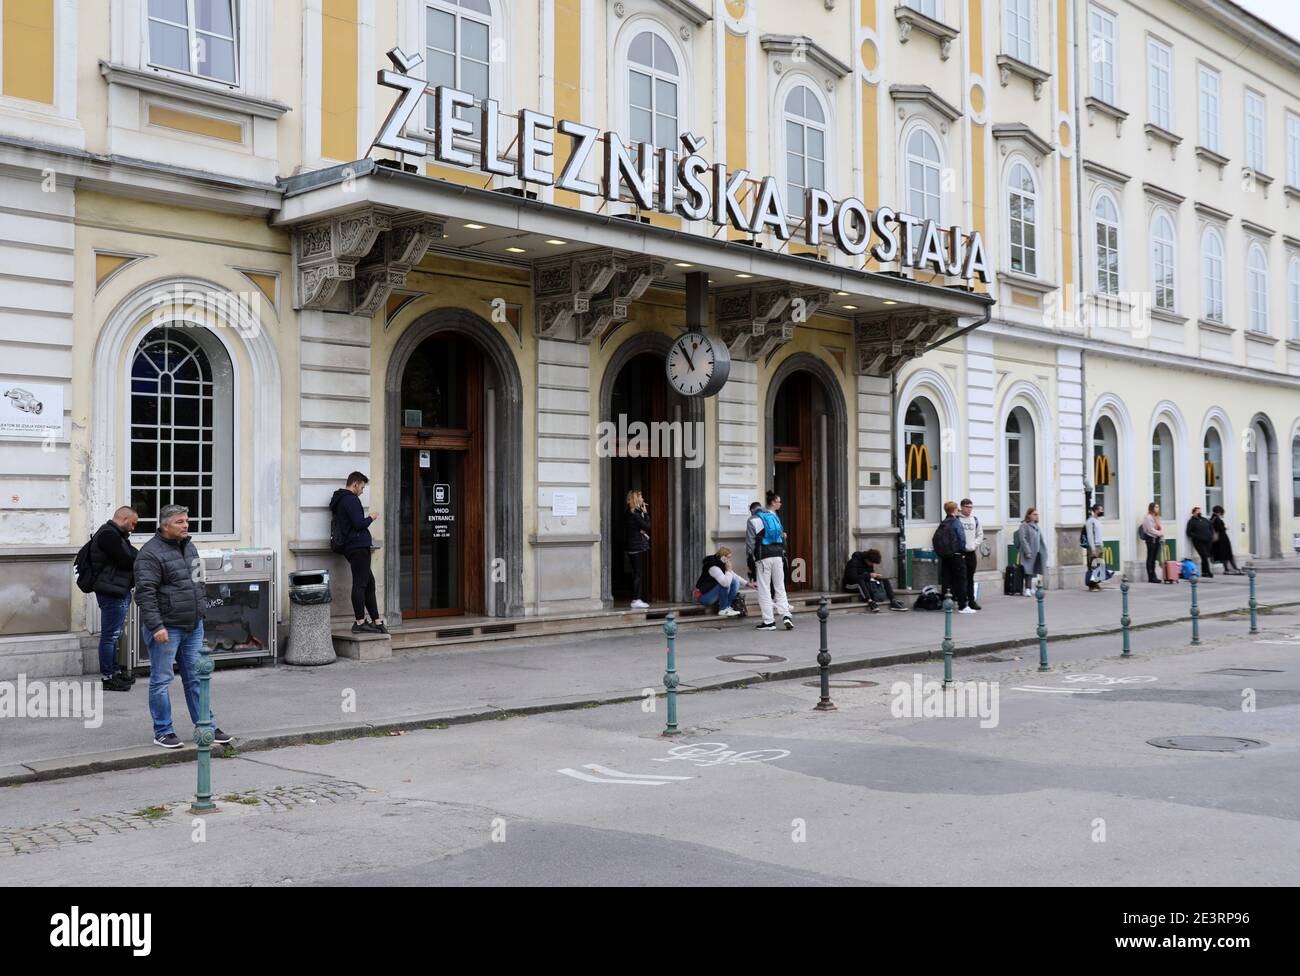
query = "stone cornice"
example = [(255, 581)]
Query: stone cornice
[(818, 55)]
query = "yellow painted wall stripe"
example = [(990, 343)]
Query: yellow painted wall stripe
[(1063, 53), (975, 15), (568, 82), (867, 11), (454, 174), (870, 147), (28, 53), (338, 82), (200, 125), (1067, 228), (737, 110)]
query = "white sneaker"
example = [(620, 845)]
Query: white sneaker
[(966, 610), (640, 605), (1029, 592), (728, 612)]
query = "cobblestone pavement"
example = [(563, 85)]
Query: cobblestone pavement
[(84, 830)]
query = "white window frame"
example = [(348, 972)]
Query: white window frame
[(1293, 149), (1209, 107), (1214, 494), (1293, 296), (1026, 462), (790, 82), (931, 8), (909, 131), (1034, 198), (1257, 289), (1102, 76), (193, 44), (1101, 493), (1255, 127), (458, 13), (619, 67), (656, 75), (1212, 309), (1160, 97), (1117, 227), (1015, 14), (931, 490), (1164, 467), (1164, 258)]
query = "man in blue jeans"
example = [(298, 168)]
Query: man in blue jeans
[(169, 593), (112, 562)]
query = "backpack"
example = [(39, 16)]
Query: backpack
[(944, 540), (771, 528), (930, 599), (1083, 537), (1190, 569), (82, 567), (338, 532)]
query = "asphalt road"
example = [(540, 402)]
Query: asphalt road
[(1061, 788)]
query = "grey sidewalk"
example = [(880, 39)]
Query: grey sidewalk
[(267, 706)]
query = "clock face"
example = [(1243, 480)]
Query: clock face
[(696, 366)]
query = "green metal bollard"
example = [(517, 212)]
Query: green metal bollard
[(670, 676), (947, 641), (204, 735), (824, 659), (1124, 619), (1254, 618), (1042, 631), (1196, 615)]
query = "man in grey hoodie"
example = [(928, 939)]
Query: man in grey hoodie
[(1096, 549)]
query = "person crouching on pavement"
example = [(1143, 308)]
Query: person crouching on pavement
[(719, 585), (169, 593)]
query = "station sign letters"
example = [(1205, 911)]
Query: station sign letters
[(666, 180)]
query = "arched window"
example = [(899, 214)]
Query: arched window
[(1212, 275), (1105, 469), (1162, 260), (1022, 210), (182, 398), (921, 460), (1020, 462), (1105, 217), (805, 146), (456, 51), (653, 77), (1162, 469), (1293, 296), (1213, 447), (1257, 289), (1295, 476), (924, 163)]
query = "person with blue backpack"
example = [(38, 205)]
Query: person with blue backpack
[(769, 555)]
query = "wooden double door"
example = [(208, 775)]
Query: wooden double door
[(795, 450), (442, 532)]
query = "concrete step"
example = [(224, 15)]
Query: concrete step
[(448, 631)]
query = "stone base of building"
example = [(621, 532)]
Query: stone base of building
[(45, 656)]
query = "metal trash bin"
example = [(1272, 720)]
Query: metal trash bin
[(310, 640)]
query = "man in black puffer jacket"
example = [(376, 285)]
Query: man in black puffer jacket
[(169, 593), (112, 564), (350, 535)]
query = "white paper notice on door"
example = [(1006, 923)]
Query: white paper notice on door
[(739, 505), (564, 504)]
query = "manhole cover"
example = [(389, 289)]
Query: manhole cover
[(752, 659), (844, 683), (1206, 743), (1246, 672)]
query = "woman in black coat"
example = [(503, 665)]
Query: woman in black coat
[(636, 541), (1221, 547)]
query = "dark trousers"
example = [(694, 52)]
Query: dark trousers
[(112, 615), (970, 559), (864, 589), (635, 559), (1153, 553), (363, 585), (1203, 550), (952, 577)]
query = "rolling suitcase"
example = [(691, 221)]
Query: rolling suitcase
[(1171, 569), (1013, 581)]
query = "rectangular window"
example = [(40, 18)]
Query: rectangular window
[(1210, 87), (1020, 30), (1293, 149), (928, 7), (456, 54), (1101, 54), (1160, 97), (1255, 156), (198, 37)]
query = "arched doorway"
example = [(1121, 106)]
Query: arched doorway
[(453, 508), (1263, 514), (655, 445), (805, 447), (1020, 443)]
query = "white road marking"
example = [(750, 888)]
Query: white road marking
[(614, 772), (626, 782), (1065, 691)]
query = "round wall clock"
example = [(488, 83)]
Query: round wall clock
[(697, 365)]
